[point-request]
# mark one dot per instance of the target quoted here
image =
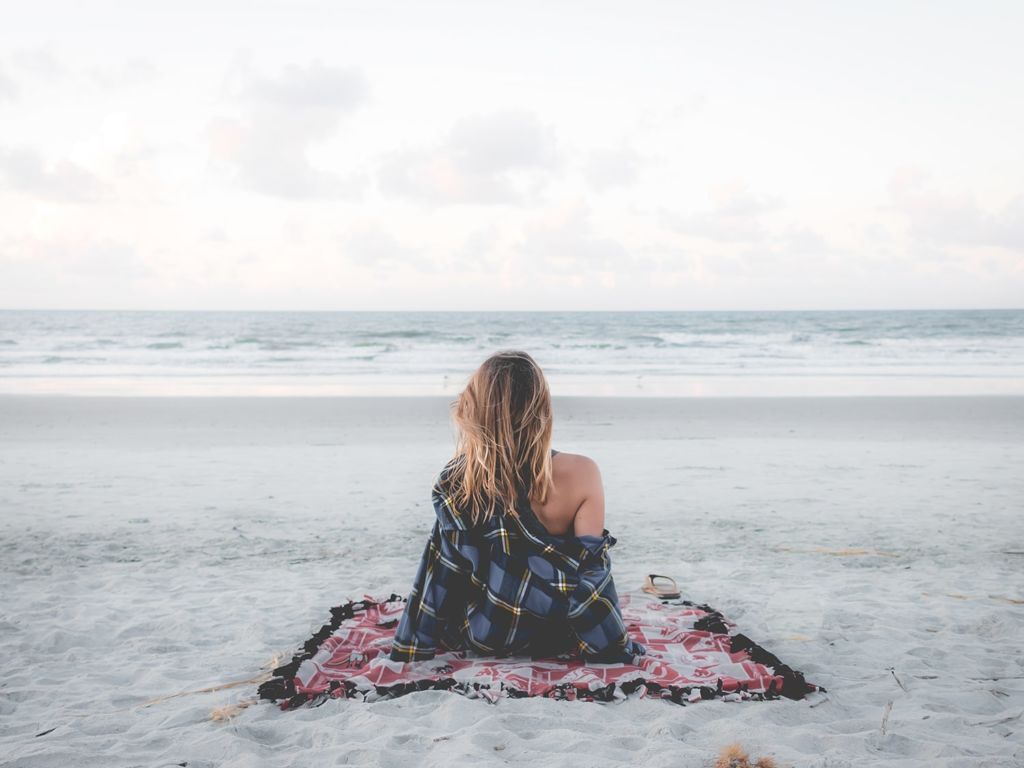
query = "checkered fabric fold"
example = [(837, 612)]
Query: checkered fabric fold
[(505, 586)]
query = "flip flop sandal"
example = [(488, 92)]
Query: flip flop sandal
[(664, 592)]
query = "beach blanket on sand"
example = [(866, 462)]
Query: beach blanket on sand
[(693, 653)]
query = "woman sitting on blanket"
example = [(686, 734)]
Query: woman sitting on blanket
[(517, 561)]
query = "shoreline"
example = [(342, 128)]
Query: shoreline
[(707, 386), (428, 416), (954, 388)]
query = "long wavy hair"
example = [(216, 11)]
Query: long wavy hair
[(503, 417)]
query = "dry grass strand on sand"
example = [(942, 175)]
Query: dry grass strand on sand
[(734, 756)]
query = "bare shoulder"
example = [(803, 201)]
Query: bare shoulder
[(574, 463), (576, 470), (580, 478)]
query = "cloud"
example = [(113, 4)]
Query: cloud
[(135, 71), (24, 170), (564, 241), (8, 90), (66, 270), (480, 251), (503, 141), (37, 61), (736, 216), (282, 118), (608, 168), (804, 241), (500, 158), (791, 250), (744, 234), (328, 91), (370, 244), (105, 258), (939, 220)]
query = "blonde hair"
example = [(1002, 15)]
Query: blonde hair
[(503, 418)]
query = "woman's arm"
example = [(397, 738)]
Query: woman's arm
[(594, 613), (589, 518)]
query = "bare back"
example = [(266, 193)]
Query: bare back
[(576, 502)]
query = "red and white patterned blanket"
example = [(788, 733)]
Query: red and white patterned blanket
[(693, 653)]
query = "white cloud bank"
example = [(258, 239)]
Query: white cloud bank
[(267, 147), (407, 156), (500, 158), (25, 171)]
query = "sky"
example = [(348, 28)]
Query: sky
[(511, 156)]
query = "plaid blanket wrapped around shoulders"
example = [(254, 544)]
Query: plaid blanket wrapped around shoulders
[(505, 586)]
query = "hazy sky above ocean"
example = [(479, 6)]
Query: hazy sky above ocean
[(528, 155)]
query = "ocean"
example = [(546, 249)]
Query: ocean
[(583, 353)]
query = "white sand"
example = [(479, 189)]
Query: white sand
[(156, 545)]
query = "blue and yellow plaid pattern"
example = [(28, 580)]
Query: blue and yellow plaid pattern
[(506, 586)]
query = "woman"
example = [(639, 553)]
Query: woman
[(517, 561)]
